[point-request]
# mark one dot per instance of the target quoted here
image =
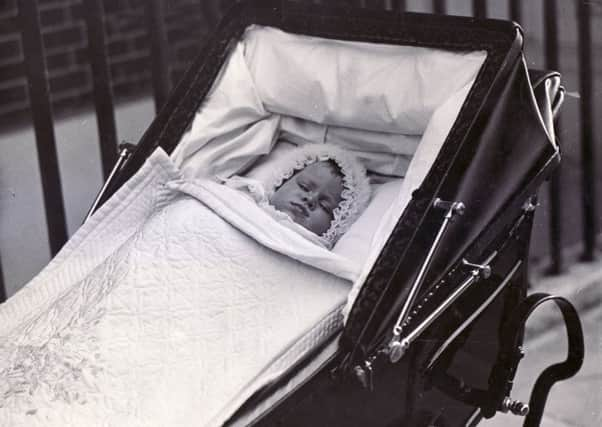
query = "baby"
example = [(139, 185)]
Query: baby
[(319, 187), (311, 195)]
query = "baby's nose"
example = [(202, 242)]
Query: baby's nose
[(311, 200)]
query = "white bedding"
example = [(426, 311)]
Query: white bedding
[(270, 85), (370, 98), (176, 327)]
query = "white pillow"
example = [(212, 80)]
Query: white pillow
[(386, 164), (262, 169), (356, 243), (370, 86)]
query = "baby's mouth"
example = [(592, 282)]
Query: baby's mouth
[(300, 210)]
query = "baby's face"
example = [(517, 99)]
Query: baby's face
[(310, 196)]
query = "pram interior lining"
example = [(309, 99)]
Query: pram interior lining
[(392, 105)]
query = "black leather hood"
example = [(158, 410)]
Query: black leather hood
[(505, 154)]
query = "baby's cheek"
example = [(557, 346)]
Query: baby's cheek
[(322, 223)]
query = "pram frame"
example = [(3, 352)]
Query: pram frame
[(379, 300)]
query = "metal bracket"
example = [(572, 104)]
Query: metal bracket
[(483, 270), (453, 208), (515, 407), (125, 151), (530, 205), (365, 375), (397, 347)]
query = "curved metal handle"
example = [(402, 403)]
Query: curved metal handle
[(511, 353), (559, 371)]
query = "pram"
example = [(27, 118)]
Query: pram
[(434, 320)]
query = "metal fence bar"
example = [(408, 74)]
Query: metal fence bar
[(2, 286), (588, 183), (479, 8), (555, 188), (439, 7), (39, 99), (159, 57), (101, 77), (515, 11)]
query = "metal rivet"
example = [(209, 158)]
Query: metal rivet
[(397, 349), (515, 406)]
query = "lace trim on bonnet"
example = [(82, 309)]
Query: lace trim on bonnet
[(356, 187)]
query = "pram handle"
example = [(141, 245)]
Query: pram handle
[(512, 352)]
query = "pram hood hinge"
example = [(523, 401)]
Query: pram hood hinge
[(478, 271), (398, 346)]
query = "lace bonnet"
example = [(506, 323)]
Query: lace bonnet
[(356, 187)]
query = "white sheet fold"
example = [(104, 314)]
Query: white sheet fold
[(243, 213), (181, 319)]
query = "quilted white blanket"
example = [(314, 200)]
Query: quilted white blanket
[(176, 326)]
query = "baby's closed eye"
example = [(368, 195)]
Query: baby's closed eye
[(326, 204)]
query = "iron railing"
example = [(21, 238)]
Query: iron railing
[(40, 102), (588, 183), (43, 124), (101, 78)]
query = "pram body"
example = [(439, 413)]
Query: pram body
[(431, 337)]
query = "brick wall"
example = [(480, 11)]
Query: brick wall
[(187, 22), (64, 35)]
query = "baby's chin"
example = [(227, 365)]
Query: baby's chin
[(295, 216)]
